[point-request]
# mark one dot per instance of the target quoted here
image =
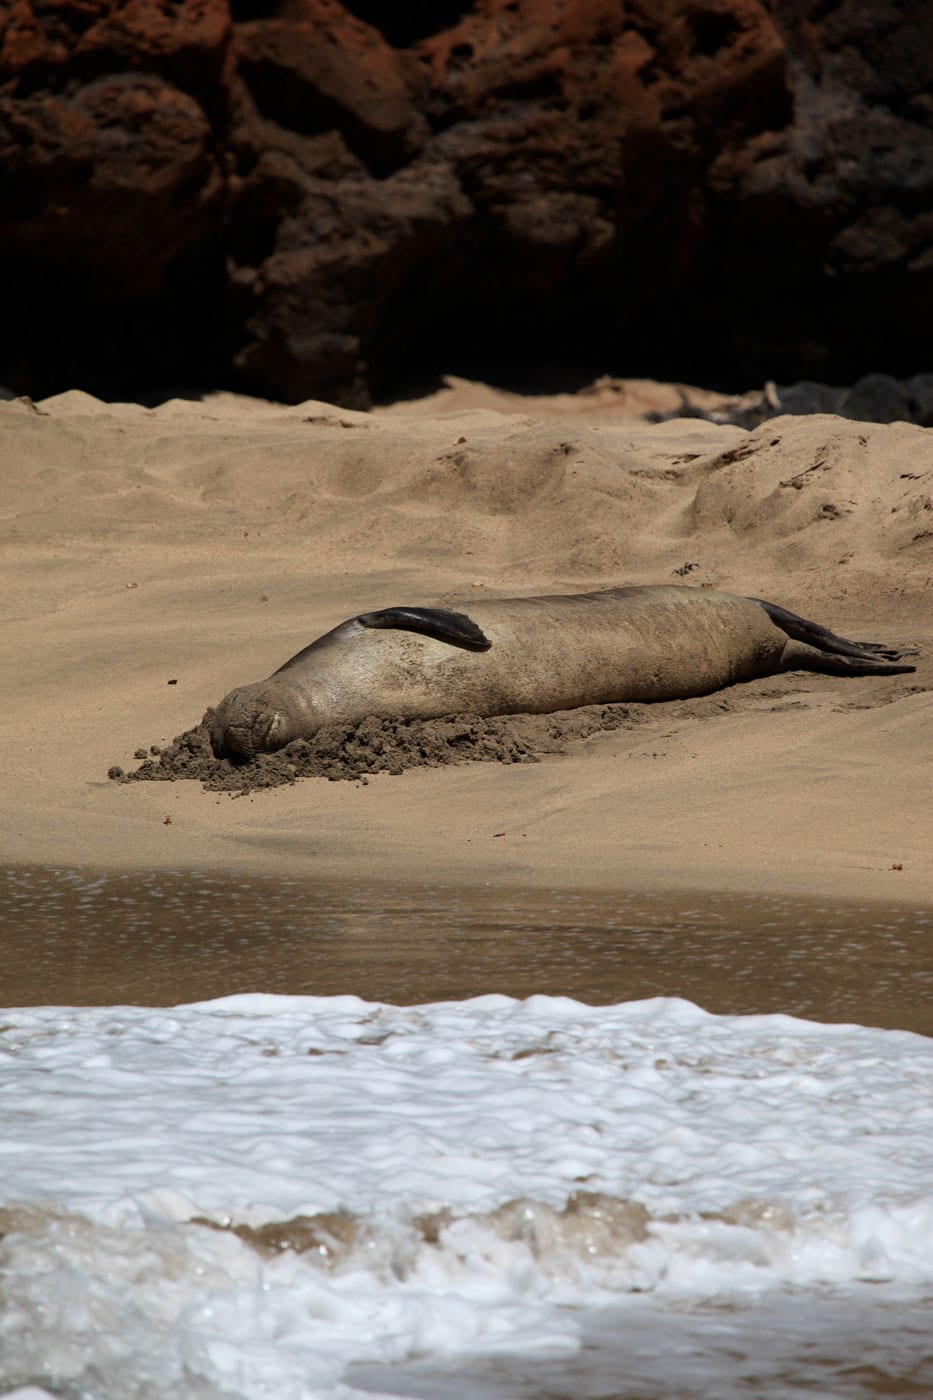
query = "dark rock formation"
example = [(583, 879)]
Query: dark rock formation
[(318, 197), (113, 179), (875, 398)]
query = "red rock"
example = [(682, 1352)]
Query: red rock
[(691, 188), (321, 70), (71, 35), (116, 179)]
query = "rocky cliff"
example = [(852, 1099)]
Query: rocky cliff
[(315, 198)]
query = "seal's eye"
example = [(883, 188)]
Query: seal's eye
[(270, 728)]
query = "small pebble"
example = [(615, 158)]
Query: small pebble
[(141, 753), (115, 772)]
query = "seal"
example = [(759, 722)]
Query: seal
[(535, 655)]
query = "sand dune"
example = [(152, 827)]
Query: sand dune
[(155, 558)]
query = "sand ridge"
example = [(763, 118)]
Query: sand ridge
[(155, 558)]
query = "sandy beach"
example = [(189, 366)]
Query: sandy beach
[(154, 558), (486, 1079)]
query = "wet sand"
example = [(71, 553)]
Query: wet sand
[(72, 937), (854, 1344)]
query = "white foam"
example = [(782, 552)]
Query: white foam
[(648, 1146)]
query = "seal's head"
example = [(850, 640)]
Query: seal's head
[(256, 719)]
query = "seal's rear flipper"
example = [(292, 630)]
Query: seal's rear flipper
[(444, 626), (822, 650), (800, 657)]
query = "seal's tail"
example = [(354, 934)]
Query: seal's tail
[(822, 650)]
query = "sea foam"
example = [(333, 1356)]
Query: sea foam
[(241, 1198)]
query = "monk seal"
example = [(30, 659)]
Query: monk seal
[(509, 655)]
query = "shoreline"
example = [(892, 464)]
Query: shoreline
[(178, 938)]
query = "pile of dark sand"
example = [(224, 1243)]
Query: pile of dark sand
[(387, 745)]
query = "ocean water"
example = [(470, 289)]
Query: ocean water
[(158, 938), (314, 1197)]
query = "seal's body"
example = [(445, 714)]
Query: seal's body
[(510, 655)]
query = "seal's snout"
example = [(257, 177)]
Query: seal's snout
[(248, 722)]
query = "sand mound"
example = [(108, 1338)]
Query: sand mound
[(381, 745), (509, 497)]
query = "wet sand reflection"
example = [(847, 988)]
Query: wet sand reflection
[(70, 937)]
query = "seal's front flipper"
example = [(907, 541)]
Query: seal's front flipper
[(455, 628), (823, 650)]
